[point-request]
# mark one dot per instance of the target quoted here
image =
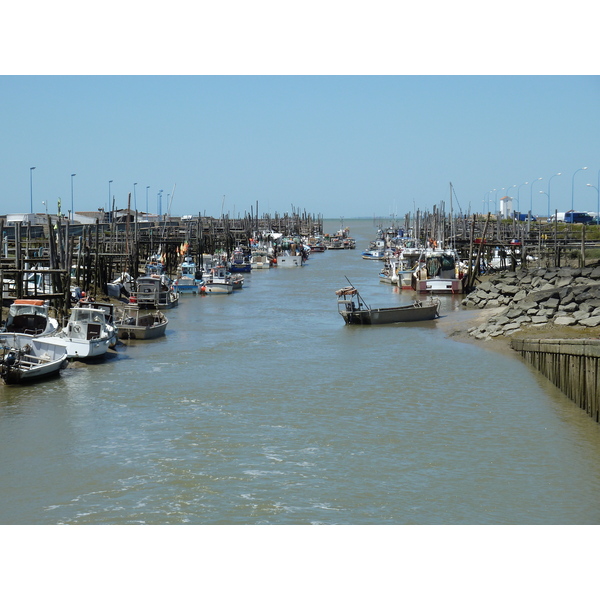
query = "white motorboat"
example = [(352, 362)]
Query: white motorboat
[(439, 273), (26, 358), (109, 316), (30, 316), (87, 335), (217, 281)]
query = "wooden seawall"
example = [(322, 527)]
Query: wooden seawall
[(571, 365)]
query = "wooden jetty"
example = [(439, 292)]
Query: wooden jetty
[(90, 256)]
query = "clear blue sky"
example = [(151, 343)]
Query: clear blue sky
[(336, 145)]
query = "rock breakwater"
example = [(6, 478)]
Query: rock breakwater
[(535, 299)]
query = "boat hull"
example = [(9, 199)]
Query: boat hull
[(140, 332), (217, 288), (440, 286), (82, 349), (398, 314), (289, 261)]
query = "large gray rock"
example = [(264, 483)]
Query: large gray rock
[(590, 321), (565, 321)]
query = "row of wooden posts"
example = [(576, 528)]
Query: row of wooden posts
[(90, 256)]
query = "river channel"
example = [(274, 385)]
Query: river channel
[(263, 407)]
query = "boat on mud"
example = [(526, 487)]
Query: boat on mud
[(25, 358)]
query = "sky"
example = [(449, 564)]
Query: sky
[(348, 146), (354, 113)]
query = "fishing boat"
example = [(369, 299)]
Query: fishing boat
[(26, 358), (355, 311), (439, 274), (134, 325), (155, 292), (389, 272), (87, 335), (217, 281), (290, 260), (109, 317), (189, 279), (237, 281), (260, 260), (240, 263), (374, 254), (30, 316)]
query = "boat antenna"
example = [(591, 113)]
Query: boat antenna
[(360, 298)]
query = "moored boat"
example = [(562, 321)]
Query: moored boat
[(109, 316), (27, 358), (135, 325), (188, 277), (240, 262), (30, 316), (217, 281), (87, 334), (439, 274), (155, 292), (355, 311)]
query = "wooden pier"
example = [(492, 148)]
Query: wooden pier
[(572, 365), (90, 256)]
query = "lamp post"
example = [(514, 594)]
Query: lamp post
[(496, 200), (134, 198), (573, 187), (531, 196), (72, 208), (597, 219), (159, 202), (147, 188), (110, 181), (519, 195), (31, 189), (548, 194)]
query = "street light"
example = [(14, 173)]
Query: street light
[(134, 198), (159, 202), (597, 219), (519, 196), (496, 199), (72, 209), (548, 194), (109, 182), (147, 188), (31, 189), (573, 186), (488, 199), (531, 196)]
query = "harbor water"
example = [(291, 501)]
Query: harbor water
[(263, 407)]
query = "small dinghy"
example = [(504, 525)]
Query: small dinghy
[(26, 358)]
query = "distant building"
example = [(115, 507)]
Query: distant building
[(506, 207)]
